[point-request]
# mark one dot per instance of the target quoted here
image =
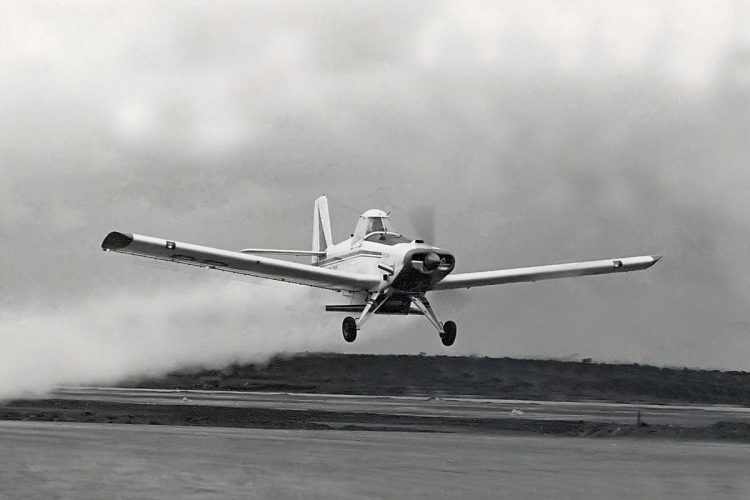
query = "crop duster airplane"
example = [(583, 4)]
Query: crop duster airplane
[(377, 270)]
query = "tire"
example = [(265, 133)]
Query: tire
[(349, 329), (448, 337)]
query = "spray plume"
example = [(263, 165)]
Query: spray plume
[(105, 340)]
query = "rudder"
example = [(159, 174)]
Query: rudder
[(322, 236)]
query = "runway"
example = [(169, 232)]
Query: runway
[(458, 407), (437, 457), (78, 460)]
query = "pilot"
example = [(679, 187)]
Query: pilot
[(372, 221)]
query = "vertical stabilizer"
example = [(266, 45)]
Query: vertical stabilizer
[(322, 237)]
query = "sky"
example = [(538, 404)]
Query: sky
[(539, 132)]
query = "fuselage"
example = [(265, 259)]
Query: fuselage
[(407, 267)]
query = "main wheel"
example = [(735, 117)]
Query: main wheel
[(349, 329), (449, 333)]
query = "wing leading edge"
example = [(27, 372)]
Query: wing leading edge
[(237, 262), (538, 273)]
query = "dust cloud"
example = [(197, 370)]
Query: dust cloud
[(110, 337)]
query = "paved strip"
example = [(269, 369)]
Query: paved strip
[(464, 407)]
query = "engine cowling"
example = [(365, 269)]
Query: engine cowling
[(423, 267)]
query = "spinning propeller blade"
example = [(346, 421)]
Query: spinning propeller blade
[(423, 220)]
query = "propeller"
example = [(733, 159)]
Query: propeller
[(431, 261), (423, 219)]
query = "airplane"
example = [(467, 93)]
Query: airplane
[(377, 270)]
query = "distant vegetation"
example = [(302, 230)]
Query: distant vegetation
[(505, 378)]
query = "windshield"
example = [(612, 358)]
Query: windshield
[(375, 224), (386, 238), (367, 225)]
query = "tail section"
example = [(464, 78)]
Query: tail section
[(322, 237)]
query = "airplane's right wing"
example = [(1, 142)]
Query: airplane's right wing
[(538, 273), (238, 262)]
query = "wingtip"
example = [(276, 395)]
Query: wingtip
[(117, 241)]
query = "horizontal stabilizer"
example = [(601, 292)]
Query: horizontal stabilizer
[(271, 251)]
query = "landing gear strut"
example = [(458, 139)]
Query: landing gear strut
[(447, 330), (350, 325)]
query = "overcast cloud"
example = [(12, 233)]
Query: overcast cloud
[(541, 133)]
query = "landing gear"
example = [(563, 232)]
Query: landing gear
[(448, 336), (447, 330), (350, 325), (349, 329)]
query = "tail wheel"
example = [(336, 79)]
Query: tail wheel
[(449, 333), (349, 329)]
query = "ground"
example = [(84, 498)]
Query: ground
[(428, 378)]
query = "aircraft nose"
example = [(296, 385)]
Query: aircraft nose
[(431, 261)]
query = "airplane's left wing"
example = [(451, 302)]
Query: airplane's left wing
[(237, 262), (538, 273)]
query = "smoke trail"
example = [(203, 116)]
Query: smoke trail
[(108, 338)]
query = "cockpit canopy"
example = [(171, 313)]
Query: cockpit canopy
[(375, 225), (372, 221)]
